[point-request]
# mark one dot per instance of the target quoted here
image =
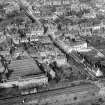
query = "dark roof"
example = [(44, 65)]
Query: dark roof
[(23, 68), (92, 56), (103, 63)]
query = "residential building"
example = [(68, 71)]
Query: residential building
[(53, 2), (60, 10)]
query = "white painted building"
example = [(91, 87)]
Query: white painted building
[(35, 81), (78, 46), (28, 82)]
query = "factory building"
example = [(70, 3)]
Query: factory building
[(24, 74)]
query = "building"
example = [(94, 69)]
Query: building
[(38, 80), (59, 2), (35, 30), (75, 45), (23, 68), (84, 60), (60, 10), (24, 74), (53, 2), (61, 61), (93, 56), (78, 45), (26, 83), (44, 39)]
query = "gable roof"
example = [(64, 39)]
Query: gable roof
[(23, 68)]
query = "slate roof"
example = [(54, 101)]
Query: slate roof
[(23, 68)]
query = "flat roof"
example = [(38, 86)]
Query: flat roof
[(25, 67)]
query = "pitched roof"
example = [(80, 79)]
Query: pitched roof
[(23, 68)]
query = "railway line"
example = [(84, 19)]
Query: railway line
[(75, 59), (46, 94)]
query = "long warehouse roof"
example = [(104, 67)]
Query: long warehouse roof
[(21, 68)]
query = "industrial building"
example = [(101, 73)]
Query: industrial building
[(24, 74)]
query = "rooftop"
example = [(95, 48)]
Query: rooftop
[(94, 55), (23, 68), (72, 42)]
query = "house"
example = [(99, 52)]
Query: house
[(52, 2), (76, 45), (93, 56), (61, 60), (60, 10), (35, 30), (44, 39), (65, 2)]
